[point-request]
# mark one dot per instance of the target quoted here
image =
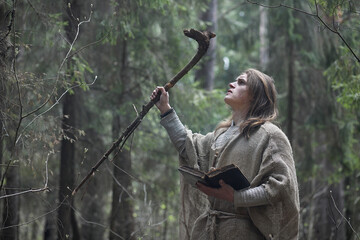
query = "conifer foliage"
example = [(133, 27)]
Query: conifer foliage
[(73, 74)]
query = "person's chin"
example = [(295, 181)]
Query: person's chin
[(227, 99)]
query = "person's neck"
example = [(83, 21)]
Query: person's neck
[(238, 117)]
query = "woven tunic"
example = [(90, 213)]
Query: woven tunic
[(266, 160)]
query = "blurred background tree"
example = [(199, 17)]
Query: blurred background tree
[(122, 50)]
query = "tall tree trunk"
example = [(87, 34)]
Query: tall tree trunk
[(67, 169), (11, 206), (50, 225), (264, 42), (67, 226), (291, 79), (3, 82), (121, 219), (206, 73), (2, 132)]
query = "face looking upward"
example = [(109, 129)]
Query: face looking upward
[(238, 96)]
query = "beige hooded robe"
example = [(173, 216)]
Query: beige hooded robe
[(266, 160)]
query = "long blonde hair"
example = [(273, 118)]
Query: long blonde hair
[(263, 102)]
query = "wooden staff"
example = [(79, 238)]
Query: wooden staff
[(203, 39)]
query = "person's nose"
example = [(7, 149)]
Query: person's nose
[(232, 84)]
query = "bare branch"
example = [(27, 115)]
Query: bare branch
[(95, 223), (149, 226), (18, 135), (282, 5), (118, 183), (230, 10), (60, 67), (342, 216), (10, 25), (17, 84), (130, 175), (45, 188), (56, 103), (36, 218), (312, 15), (3, 176), (90, 44), (137, 113)]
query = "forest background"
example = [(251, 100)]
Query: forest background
[(74, 74)]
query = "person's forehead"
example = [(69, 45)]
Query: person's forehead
[(242, 76)]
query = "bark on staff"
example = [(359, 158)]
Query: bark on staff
[(203, 39)]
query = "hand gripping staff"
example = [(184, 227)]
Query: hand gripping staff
[(203, 39)]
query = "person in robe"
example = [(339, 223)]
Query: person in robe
[(269, 208)]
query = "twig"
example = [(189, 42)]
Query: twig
[(118, 183), (21, 116), (332, 217), (51, 107), (36, 218), (17, 84), (137, 113), (225, 13), (95, 223), (89, 44), (343, 217), (6, 134), (3, 176), (282, 5), (130, 175), (312, 15), (45, 188), (32, 6), (203, 39), (60, 67), (149, 226), (10, 25)]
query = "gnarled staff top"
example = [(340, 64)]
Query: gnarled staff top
[(203, 40)]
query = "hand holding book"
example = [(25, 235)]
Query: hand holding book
[(230, 174), (225, 192)]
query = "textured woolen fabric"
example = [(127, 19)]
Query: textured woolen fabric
[(177, 133), (266, 160)]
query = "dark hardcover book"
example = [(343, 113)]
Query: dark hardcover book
[(231, 175)]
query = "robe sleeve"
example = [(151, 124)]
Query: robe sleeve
[(197, 150), (193, 148), (176, 131), (250, 197), (279, 219), (277, 169)]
